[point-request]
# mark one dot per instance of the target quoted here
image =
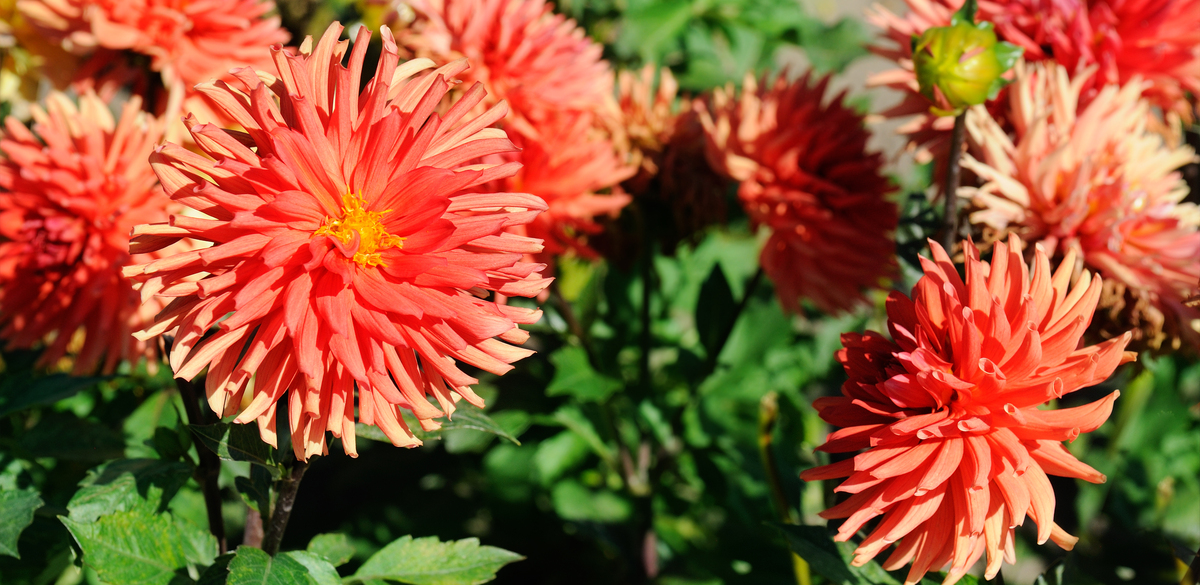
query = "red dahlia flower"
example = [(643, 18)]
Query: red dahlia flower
[(805, 173), (953, 449), (69, 197), (1095, 179), (346, 251)]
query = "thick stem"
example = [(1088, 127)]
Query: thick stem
[(209, 471), (953, 171), (285, 499)]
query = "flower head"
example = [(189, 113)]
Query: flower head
[(1152, 39), (1092, 178), (953, 449), (70, 196), (805, 173), (962, 64), (541, 63), (354, 265)]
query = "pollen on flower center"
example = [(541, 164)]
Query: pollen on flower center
[(359, 234)]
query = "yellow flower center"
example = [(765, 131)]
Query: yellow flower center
[(359, 234)]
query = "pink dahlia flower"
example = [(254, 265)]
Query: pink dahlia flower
[(70, 195), (349, 266), (805, 174), (1157, 40), (952, 449), (1093, 179)]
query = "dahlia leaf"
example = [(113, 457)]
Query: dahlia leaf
[(66, 436), (471, 417), (814, 545), (653, 30), (252, 566), (715, 311), (334, 547), (140, 547), (558, 454), (16, 514), (573, 501), (574, 376), (235, 442), (256, 489), (127, 484), (20, 392), (427, 561)]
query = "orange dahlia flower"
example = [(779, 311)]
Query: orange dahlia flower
[(1156, 40), (69, 196), (805, 173), (953, 449), (346, 253), (1093, 179)]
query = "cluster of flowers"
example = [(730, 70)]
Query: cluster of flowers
[(295, 230)]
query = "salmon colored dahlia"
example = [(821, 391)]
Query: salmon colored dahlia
[(1157, 40), (952, 449), (346, 253), (541, 63), (70, 191), (805, 173), (188, 41), (1093, 179)]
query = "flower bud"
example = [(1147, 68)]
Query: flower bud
[(961, 65)]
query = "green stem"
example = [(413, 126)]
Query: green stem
[(208, 472), (768, 418), (953, 172)]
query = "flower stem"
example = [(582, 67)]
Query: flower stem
[(953, 171), (209, 471), (285, 499)]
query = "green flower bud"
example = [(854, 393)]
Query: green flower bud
[(961, 65)]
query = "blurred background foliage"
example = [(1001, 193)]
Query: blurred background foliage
[(657, 434)]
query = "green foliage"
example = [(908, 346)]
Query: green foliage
[(127, 484), (252, 566), (428, 561), (235, 442), (16, 514), (141, 547), (335, 548)]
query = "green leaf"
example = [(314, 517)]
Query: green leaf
[(256, 489), (574, 376), (23, 391), (558, 454), (573, 501), (16, 514), (126, 484), (427, 561), (236, 442), (65, 436), (320, 570), (813, 544), (335, 547), (714, 309), (651, 31), (252, 566), (218, 572), (465, 416), (136, 547), (575, 421)]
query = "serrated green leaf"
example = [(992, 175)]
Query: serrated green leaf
[(252, 566), (465, 416), (334, 547), (126, 484), (16, 514), (136, 547), (574, 376), (427, 561), (236, 442)]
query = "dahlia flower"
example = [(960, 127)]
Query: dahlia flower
[(1094, 180), (69, 196), (188, 41), (1156, 40), (953, 451), (805, 173), (647, 120), (346, 253), (541, 63)]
